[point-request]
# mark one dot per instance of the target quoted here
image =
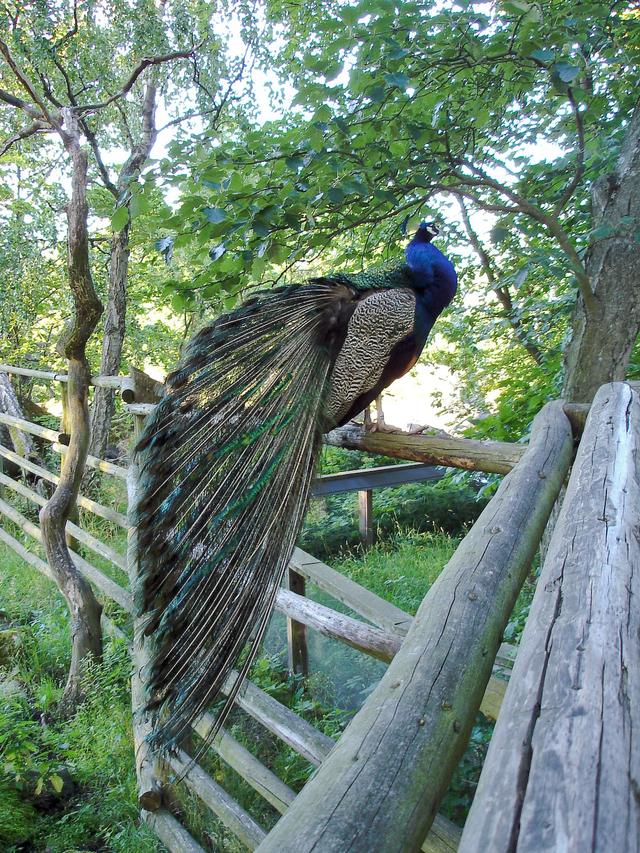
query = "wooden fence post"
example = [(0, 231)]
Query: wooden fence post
[(149, 767), (296, 631), (365, 511), (563, 767)]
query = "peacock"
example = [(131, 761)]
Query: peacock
[(228, 457)]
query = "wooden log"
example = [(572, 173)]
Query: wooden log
[(365, 517), (382, 613), (86, 503), (491, 456), (216, 798), (172, 834), (150, 769), (372, 641), (125, 384), (36, 374), (297, 651), (381, 786), (563, 767)]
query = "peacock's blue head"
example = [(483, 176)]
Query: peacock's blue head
[(432, 271)]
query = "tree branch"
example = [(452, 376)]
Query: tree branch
[(572, 187), (28, 86), (147, 62), (501, 290), (25, 133)]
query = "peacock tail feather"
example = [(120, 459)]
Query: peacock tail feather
[(227, 460), (226, 463)]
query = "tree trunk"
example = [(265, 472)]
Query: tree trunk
[(115, 320), (9, 405), (114, 331), (603, 337), (85, 610)]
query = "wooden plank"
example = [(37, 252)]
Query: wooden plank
[(105, 584), (86, 503), (382, 613), (289, 727), (497, 457), (172, 834), (381, 786), (374, 478), (216, 798), (563, 767), (253, 771), (376, 642), (50, 435), (41, 566), (297, 651), (81, 535)]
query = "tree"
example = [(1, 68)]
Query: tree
[(114, 67), (513, 111), (67, 120)]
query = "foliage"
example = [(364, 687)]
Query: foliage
[(331, 524)]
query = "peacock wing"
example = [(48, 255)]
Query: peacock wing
[(226, 464)]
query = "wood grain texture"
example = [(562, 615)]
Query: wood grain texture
[(381, 786), (497, 457), (563, 768)]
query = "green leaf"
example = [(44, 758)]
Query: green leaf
[(397, 80), (335, 195), (57, 783), (119, 218), (215, 214), (499, 234), (565, 71), (542, 55)]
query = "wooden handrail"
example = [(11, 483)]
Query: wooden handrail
[(381, 786)]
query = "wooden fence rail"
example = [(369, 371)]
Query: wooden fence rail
[(570, 710), (566, 746), (380, 787)]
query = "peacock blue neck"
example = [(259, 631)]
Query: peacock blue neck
[(434, 276)]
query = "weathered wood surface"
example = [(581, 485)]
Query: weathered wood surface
[(96, 545), (381, 786), (172, 834), (105, 584), (50, 435), (365, 517), (491, 456), (376, 642), (116, 382), (261, 779), (289, 727), (150, 769), (382, 613), (86, 503), (563, 768), (297, 648), (216, 798)]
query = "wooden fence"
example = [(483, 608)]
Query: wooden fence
[(379, 788)]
